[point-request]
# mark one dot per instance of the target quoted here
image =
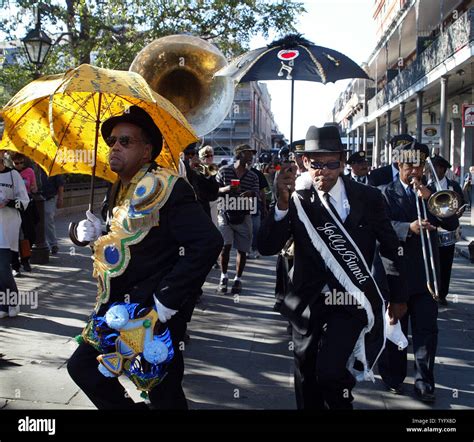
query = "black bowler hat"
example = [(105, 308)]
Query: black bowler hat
[(438, 160), (412, 153), (323, 140), (357, 157), (136, 115)]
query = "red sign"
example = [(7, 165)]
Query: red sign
[(468, 115), (288, 54)]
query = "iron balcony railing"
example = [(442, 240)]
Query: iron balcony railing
[(455, 37)]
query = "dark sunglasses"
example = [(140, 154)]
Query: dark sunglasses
[(18, 162), (124, 140), (331, 165)]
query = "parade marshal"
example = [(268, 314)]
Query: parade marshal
[(335, 223)]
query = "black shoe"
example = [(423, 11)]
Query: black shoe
[(16, 273), (425, 394), (395, 389), (223, 285), (26, 266), (54, 250), (277, 306), (442, 301), (237, 287)]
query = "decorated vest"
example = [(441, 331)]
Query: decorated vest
[(128, 337)]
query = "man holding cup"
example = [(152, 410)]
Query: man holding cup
[(238, 195)]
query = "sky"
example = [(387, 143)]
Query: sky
[(343, 25)]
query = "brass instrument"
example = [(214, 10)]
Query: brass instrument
[(181, 68), (442, 204), (206, 169)]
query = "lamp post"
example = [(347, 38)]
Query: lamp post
[(37, 45)]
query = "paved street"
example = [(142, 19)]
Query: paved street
[(238, 356)]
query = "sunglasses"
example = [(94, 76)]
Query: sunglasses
[(331, 165), (18, 162), (124, 140)]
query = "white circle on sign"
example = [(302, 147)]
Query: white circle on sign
[(288, 54)]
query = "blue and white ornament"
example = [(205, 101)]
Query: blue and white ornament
[(155, 352), (105, 372), (117, 317)]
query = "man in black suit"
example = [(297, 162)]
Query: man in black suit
[(335, 223), (359, 168), (447, 239), (159, 247), (386, 174), (422, 308)]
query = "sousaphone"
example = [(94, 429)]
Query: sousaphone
[(181, 68)]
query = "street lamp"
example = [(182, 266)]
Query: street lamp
[(37, 44)]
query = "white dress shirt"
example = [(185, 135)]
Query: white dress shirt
[(338, 198), (395, 172), (359, 179)]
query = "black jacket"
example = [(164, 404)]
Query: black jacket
[(366, 223), (402, 213), (381, 176), (173, 260)]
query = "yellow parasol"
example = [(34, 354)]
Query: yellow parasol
[(56, 120)]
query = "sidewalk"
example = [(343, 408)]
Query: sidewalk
[(239, 354)]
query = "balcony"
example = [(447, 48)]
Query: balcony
[(458, 35)]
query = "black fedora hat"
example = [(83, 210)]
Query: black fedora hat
[(323, 140), (401, 140), (136, 115)]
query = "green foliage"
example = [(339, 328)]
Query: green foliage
[(114, 31)]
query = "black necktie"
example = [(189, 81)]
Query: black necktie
[(328, 200), (411, 195)]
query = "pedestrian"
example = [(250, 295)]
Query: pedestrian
[(401, 196), (335, 308), (13, 200), (29, 217), (238, 191), (150, 267), (261, 211), (52, 189), (467, 186)]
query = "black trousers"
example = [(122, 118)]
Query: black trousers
[(423, 315), (321, 377), (108, 393), (446, 257)]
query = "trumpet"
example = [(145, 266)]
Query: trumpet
[(206, 169)]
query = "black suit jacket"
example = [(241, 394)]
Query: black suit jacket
[(381, 176), (366, 223), (402, 213), (173, 260)]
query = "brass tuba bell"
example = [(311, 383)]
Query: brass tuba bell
[(181, 68)]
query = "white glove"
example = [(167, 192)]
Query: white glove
[(89, 229), (394, 333), (164, 313)]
